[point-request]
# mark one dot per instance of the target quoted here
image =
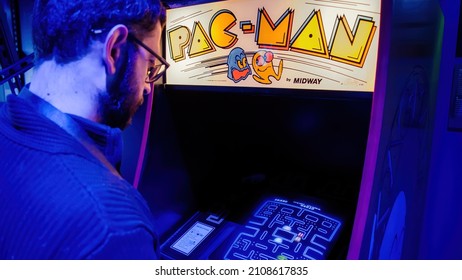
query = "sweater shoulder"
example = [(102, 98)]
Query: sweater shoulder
[(66, 206)]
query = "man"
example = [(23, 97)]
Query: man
[(61, 195)]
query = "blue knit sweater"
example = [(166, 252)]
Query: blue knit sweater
[(58, 201)]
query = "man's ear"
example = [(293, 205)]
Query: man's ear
[(115, 40)]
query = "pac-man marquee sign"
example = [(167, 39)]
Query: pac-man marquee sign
[(304, 44)]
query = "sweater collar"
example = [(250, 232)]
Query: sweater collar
[(108, 140)]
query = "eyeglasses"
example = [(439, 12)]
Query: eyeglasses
[(157, 70)]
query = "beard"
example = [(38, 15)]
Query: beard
[(118, 105)]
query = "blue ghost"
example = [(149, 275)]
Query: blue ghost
[(238, 67)]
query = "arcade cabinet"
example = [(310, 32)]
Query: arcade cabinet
[(247, 164), (326, 155)]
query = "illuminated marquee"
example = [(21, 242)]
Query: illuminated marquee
[(310, 45)]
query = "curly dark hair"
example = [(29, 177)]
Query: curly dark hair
[(61, 29)]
